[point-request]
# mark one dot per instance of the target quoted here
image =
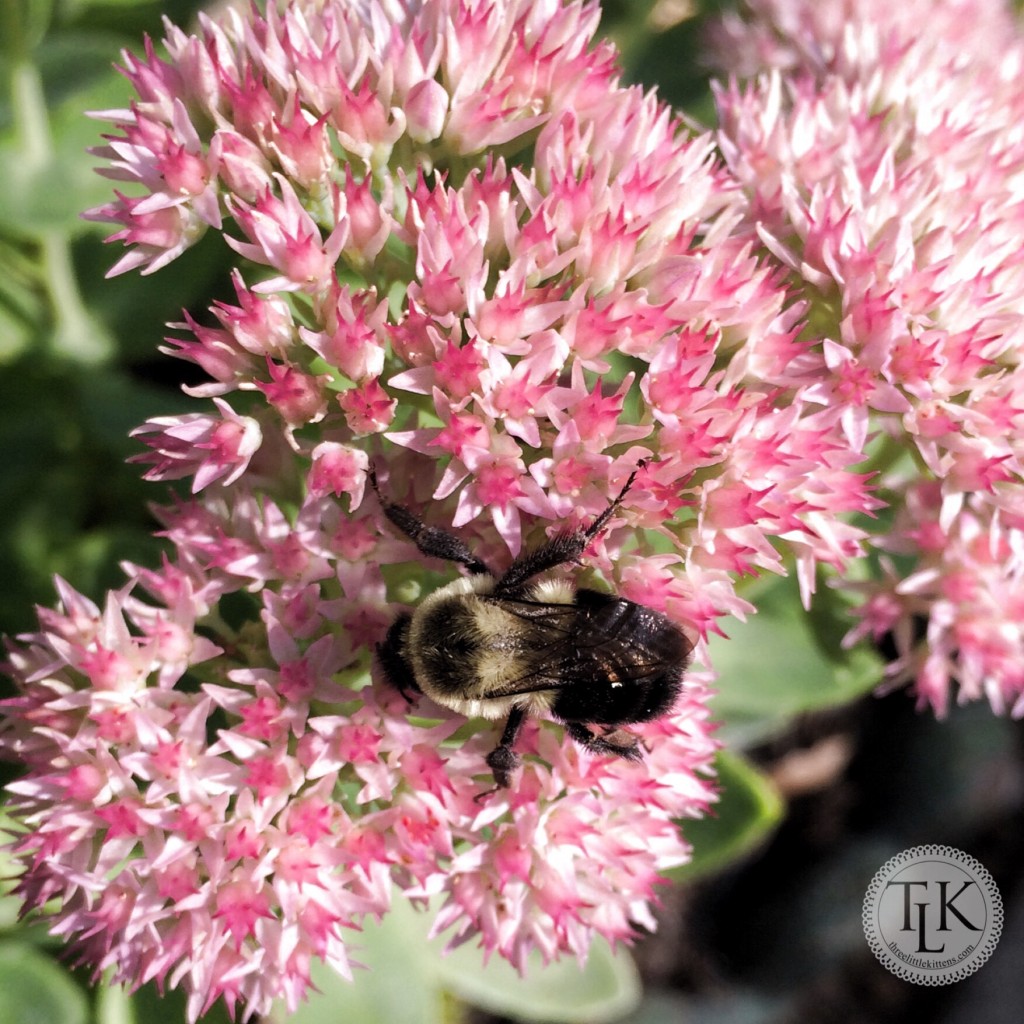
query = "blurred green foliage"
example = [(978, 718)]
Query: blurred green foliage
[(78, 353), (663, 45)]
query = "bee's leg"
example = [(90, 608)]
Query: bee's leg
[(619, 742), (503, 760), (429, 539), (389, 654), (566, 547)]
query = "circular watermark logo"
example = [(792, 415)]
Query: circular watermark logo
[(932, 915)]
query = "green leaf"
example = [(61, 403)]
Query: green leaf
[(396, 988), (781, 662), (38, 198), (381, 996), (134, 18), (148, 1005), (36, 990), (9, 908), (748, 810), (604, 990), (87, 511), (49, 178), (726, 1005), (410, 981), (114, 1006), (137, 308), (9, 871)]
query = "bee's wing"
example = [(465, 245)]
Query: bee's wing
[(551, 620), (571, 648)]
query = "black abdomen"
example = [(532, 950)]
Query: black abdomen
[(624, 663)]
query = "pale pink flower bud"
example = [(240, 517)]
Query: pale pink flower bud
[(353, 339), (158, 235), (425, 109), (338, 469), (303, 148), (283, 235), (240, 164), (261, 325), (85, 782), (297, 396), (368, 408), (369, 219), (208, 448)]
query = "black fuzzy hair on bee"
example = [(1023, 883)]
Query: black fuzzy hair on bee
[(491, 646)]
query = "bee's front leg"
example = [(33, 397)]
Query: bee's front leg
[(503, 760)]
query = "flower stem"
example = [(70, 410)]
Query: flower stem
[(76, 334)]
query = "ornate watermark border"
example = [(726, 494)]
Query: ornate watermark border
[(951, 944)]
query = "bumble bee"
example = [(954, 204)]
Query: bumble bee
[(491, 646)]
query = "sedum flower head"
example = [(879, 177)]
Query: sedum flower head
[(469, 253), (883, 166)]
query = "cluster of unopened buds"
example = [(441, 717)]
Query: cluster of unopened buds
[(472, 259)]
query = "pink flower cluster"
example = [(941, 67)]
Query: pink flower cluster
[(462, 244), (218, 817), (882, 156)]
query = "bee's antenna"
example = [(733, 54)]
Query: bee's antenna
[(371, 472), (641, 464), (598, 524)]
